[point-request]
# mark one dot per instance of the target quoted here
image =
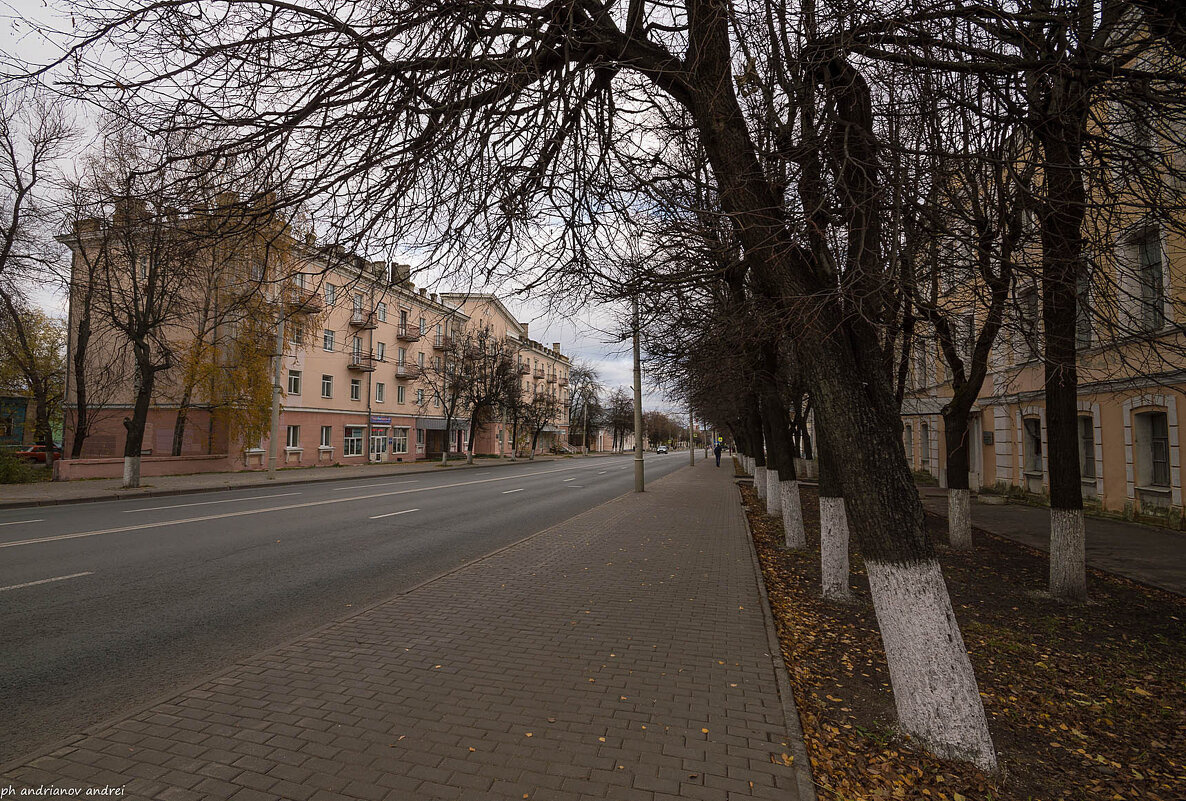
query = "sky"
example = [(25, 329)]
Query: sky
[(585, 337)]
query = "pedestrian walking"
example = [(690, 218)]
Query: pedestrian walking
[(717, 452)]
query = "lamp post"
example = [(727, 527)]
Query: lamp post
[(639, 484), (277, 390), (691, 442)]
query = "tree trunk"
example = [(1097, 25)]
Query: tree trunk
[(1062, 264), (834, 570), (959, 504), (179, 424), (82, 417), (135, 425)]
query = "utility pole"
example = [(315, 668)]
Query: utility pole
[(639, 484), (274, 437), (691, 441)]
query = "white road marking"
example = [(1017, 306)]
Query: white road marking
[(381, 484), (18, 522), (570, 479), (164, 523), (45, 581), (508, 492), (393, 514), (207, 503), (576, 486)]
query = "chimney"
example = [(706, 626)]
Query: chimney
[(524, 326), (556, 346), (434, 297), (423, 292), (401, 274)]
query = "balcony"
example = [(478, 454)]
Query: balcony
[(539, 372), (407, 334), (551, 378), (362, 320), (442, 342), (407, 371), (524, 369), (301, 301), (364, 362), (563, 381)]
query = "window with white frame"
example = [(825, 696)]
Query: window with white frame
[(400, 396), (1150, 281), (1032, 444), (355, 389), (327, 341), (420, 359), (381, 312), (352, 443), (294, 382), (297, 333), (331, 294), (1087, 447), (356, 306), (399, 440), (436, 399), (924, 446), (380, 392), (327, 386), (356, 347), (293, 438), (327, 436), (908, 443), (419, 439), (380, 350), (1152, 444), (420, 397), (423, 327), (401, 356)]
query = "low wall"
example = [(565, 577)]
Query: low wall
[(807, 469), (73, 469)]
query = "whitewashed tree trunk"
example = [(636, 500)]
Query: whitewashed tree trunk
[(935, 689), (959, 519), (792, 515), (1068, 570), (760, 481), (773, 493), (131, 472), (833, 526)]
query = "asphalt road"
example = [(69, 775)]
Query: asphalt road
[(105, 606)]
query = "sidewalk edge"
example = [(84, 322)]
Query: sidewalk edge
[(804, 780)]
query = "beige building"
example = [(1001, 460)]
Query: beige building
[(1132, 376), (362, 348)]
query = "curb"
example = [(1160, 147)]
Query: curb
[(805, 782), (163, 493)]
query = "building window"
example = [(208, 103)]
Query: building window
[(436, 399), (381, 312), (420, 397), (355, 389), (420, 359), (909, 443), (401, 356), (419, 439), (380, 392), (423, 327), (399, 440), (294, 382), (298, 333), (924, 446), (1151, 281), (356, 347), (327, 434), (1086, 447), (293, 440), (399, 395), (327, 341), (327, 386), (378, 443), (352, 444), (331, 294), (1153, 449), (1032, 431), (356, 302), (380, 350)]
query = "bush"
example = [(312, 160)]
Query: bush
[(14, 470)]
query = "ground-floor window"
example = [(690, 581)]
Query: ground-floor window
[(352, 444), (924, 445), (399, 440), (1153, 449), (293, 439), (419, 438), (327, 433), (1032, 430), (908, 443), (1087, 447)]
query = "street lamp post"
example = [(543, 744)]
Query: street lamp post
[(277, 390), (639, 484), (691, 442)]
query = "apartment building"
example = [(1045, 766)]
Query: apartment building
[(362, 346), (1132, 380)]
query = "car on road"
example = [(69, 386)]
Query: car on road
[(661, 449), (36, 453)]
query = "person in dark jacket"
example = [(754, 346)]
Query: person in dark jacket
[(717, 452)]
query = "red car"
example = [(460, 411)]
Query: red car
[(36, 453)]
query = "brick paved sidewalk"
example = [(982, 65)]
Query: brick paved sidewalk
[(623, 654)]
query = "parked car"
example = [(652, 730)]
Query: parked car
[(661, 449), (36, 453)]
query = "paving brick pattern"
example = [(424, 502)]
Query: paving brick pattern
[(620, 655)]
